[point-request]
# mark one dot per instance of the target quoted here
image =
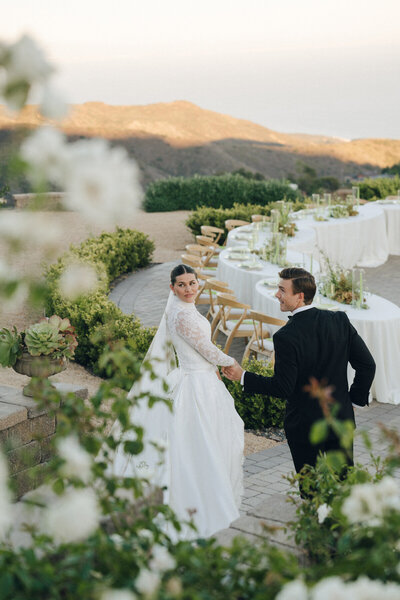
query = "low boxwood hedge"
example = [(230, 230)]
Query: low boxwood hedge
[(375, 189), (179, 193), (99, 323), (217, 216), (257, 411)]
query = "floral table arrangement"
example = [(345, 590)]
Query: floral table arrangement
[(281, 218), (344, 286), (40, 351)]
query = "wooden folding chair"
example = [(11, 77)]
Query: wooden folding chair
[(212, 232), (257, 218), (261, 340), (205, 252), (204, 240), (196, 262), (233, 223), (208, 295), (229, 324)]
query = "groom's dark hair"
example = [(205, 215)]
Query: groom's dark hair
[(181, 270), (302, 281)]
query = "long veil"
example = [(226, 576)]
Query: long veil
[(155, 420)]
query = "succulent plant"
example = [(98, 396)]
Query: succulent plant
[(42, 338), (10, 347)]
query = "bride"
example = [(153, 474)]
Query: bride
[(203, 435)]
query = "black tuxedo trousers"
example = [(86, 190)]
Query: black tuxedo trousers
[(315, 343)]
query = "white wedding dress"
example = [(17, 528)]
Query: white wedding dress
[(203, 435)]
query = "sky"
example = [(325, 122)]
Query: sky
[(300, 66)]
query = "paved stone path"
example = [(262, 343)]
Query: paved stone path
[(264, 501)]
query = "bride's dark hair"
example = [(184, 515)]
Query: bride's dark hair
[(181, 270)]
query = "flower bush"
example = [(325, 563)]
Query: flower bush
[(179, 193)]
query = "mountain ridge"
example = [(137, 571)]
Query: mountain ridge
[(180, 138)]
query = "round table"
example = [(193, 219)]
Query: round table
[(243, 280), (379, 327), (354, 241), (304, 239), (391, 208)]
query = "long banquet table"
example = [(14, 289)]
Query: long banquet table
[(379, 326), (391, 208), (242, 281), (353, 241)]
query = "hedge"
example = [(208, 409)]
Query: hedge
[(99, 323), (218, 216), (257, 411), (375, 189), (179, 193)]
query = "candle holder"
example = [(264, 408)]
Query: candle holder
[(275, 220), (327, 199), (358, 288), (355, 191)]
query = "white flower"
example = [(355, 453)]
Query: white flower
[(78, 280), (6, 507), (113, 594), (323, 511), (331, 588), (161, 560), (47, 154), (102, 183), (369, 501), (147, 582), (26, 62), (28, 228), (294, 590), (78, 463), (73, 516), (53, 105)]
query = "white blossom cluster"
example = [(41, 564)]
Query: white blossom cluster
[(24, 65), (148, 580), (78, 462), (77, 280), (29, 228), (368, 502), (323, 511), (334, 588), (72, 517), (101, 182)]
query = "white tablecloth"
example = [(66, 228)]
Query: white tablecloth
[(392, 216), (303, 241), (243, 281), (361, 240), (379, 327)]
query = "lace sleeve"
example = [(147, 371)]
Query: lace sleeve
[(187, 326)]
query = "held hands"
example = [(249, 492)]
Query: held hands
[(234, 372)]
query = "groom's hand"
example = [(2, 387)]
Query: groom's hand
[(234, 372)]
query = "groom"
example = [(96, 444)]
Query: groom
[(313, 344)]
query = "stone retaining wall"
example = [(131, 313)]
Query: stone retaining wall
[(47, 201), (25, 434)]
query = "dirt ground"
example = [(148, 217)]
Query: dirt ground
[(170, 235)]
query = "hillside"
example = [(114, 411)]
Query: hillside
[(180, 138)]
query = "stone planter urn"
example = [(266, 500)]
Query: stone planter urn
[(41, 367)]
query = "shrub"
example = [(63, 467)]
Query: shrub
[(217, 216), (257, 411), (178, 193), (374, 189), (99, 323)]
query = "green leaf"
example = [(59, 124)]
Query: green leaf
[(319, 432)]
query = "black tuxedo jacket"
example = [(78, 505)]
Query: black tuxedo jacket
[(318, 343)]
